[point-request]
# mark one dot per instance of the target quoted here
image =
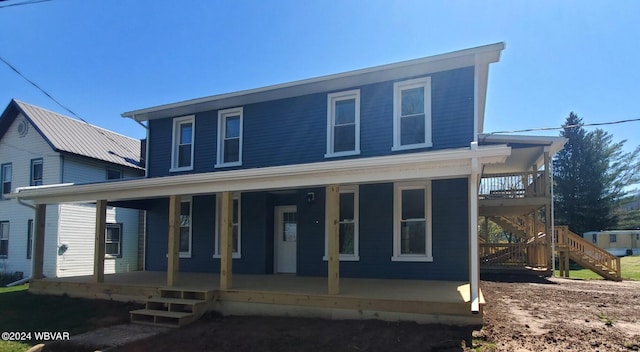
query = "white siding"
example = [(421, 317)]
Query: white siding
[(19, 151), (77, 232), (81, 170)]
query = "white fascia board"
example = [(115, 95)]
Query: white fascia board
[(554, 143), (482, 55), (411, 166)]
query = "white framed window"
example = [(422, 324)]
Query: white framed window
[(183, 143), (113, 174), (237, 230), (36, 172), (412, 114), (348, 218), (29, 238), (4, 239), (6, 179), (343, 123), (412, 222), (185, 227), (229, 137), (613, 238), (113, 241)]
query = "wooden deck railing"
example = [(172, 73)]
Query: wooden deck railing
[(513, 185), (531, 254), (588, 254)]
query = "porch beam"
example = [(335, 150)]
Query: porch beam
[(99, 247), (226, 241), (548, 217), (332, 208), (173, 255), (37, 271)]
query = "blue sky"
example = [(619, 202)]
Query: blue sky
[(101, 58)]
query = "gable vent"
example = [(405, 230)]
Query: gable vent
[(23, 128)]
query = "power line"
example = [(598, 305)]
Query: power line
[(567, 126), (61, 105), (24, 3)]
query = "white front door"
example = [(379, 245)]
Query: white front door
[(286, 239)]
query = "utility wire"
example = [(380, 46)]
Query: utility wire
[(63, 106), (23, 3), (567, 126)]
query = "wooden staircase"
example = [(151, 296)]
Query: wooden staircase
[(572, 246), (174, 307)]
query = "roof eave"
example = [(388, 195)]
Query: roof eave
[(462, 58)]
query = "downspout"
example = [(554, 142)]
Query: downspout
[(146, 152)]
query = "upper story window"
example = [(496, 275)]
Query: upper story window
[(343, 123), (36, 172), (182, 149), (348, 239), (229, 137), (236, 233), (412, 222), (412, 114), (113, 174), (6, 179)]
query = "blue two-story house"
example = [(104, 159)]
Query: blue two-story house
[(370, 174)]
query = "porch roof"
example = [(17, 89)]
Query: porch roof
[(526, 151), (411, 166)]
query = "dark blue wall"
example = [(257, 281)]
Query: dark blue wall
[(293, 130), (450, 234)]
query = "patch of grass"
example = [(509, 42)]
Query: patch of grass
[(630, 270), (481, 345), (14, 288), (605, 319), (10, 346)]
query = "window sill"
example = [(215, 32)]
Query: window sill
[(178, 169), (233, 256), (339, 154), (237, 163), (412, 258), (181, 255), (107, 256), (411, 146), (345, 258)]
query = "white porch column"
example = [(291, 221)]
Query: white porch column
[(37, 271), (226, 240), (332, 209), (474, 268), (173, 254), (99, 247)]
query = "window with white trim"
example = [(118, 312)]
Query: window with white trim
[(412, 114), (183, 143), (613, 238), (237, 233), (4, 239), (185, 228), (412, 222), (113, 241), (36, 172), (229, 137), (343, 123), (348, 239), (6, 179), (29, 238)]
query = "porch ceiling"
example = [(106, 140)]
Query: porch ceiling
[(411, 166), (526, 151)]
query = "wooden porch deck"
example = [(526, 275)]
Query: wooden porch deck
[(446, 302)]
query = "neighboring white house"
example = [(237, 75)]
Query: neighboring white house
[(40, 147)]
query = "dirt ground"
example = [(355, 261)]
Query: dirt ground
[(548, 315)]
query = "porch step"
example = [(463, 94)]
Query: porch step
[(174, 307), (162, 318)]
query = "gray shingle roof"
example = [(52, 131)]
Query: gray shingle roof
[(69, 135)]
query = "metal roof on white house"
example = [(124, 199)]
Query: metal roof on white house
[(65, 134)]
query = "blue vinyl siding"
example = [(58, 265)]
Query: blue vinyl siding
[(293, 130), (450, 234)]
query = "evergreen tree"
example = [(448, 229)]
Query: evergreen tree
[(592, 175)]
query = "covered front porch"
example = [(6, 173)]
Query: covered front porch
[(445, 302)]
